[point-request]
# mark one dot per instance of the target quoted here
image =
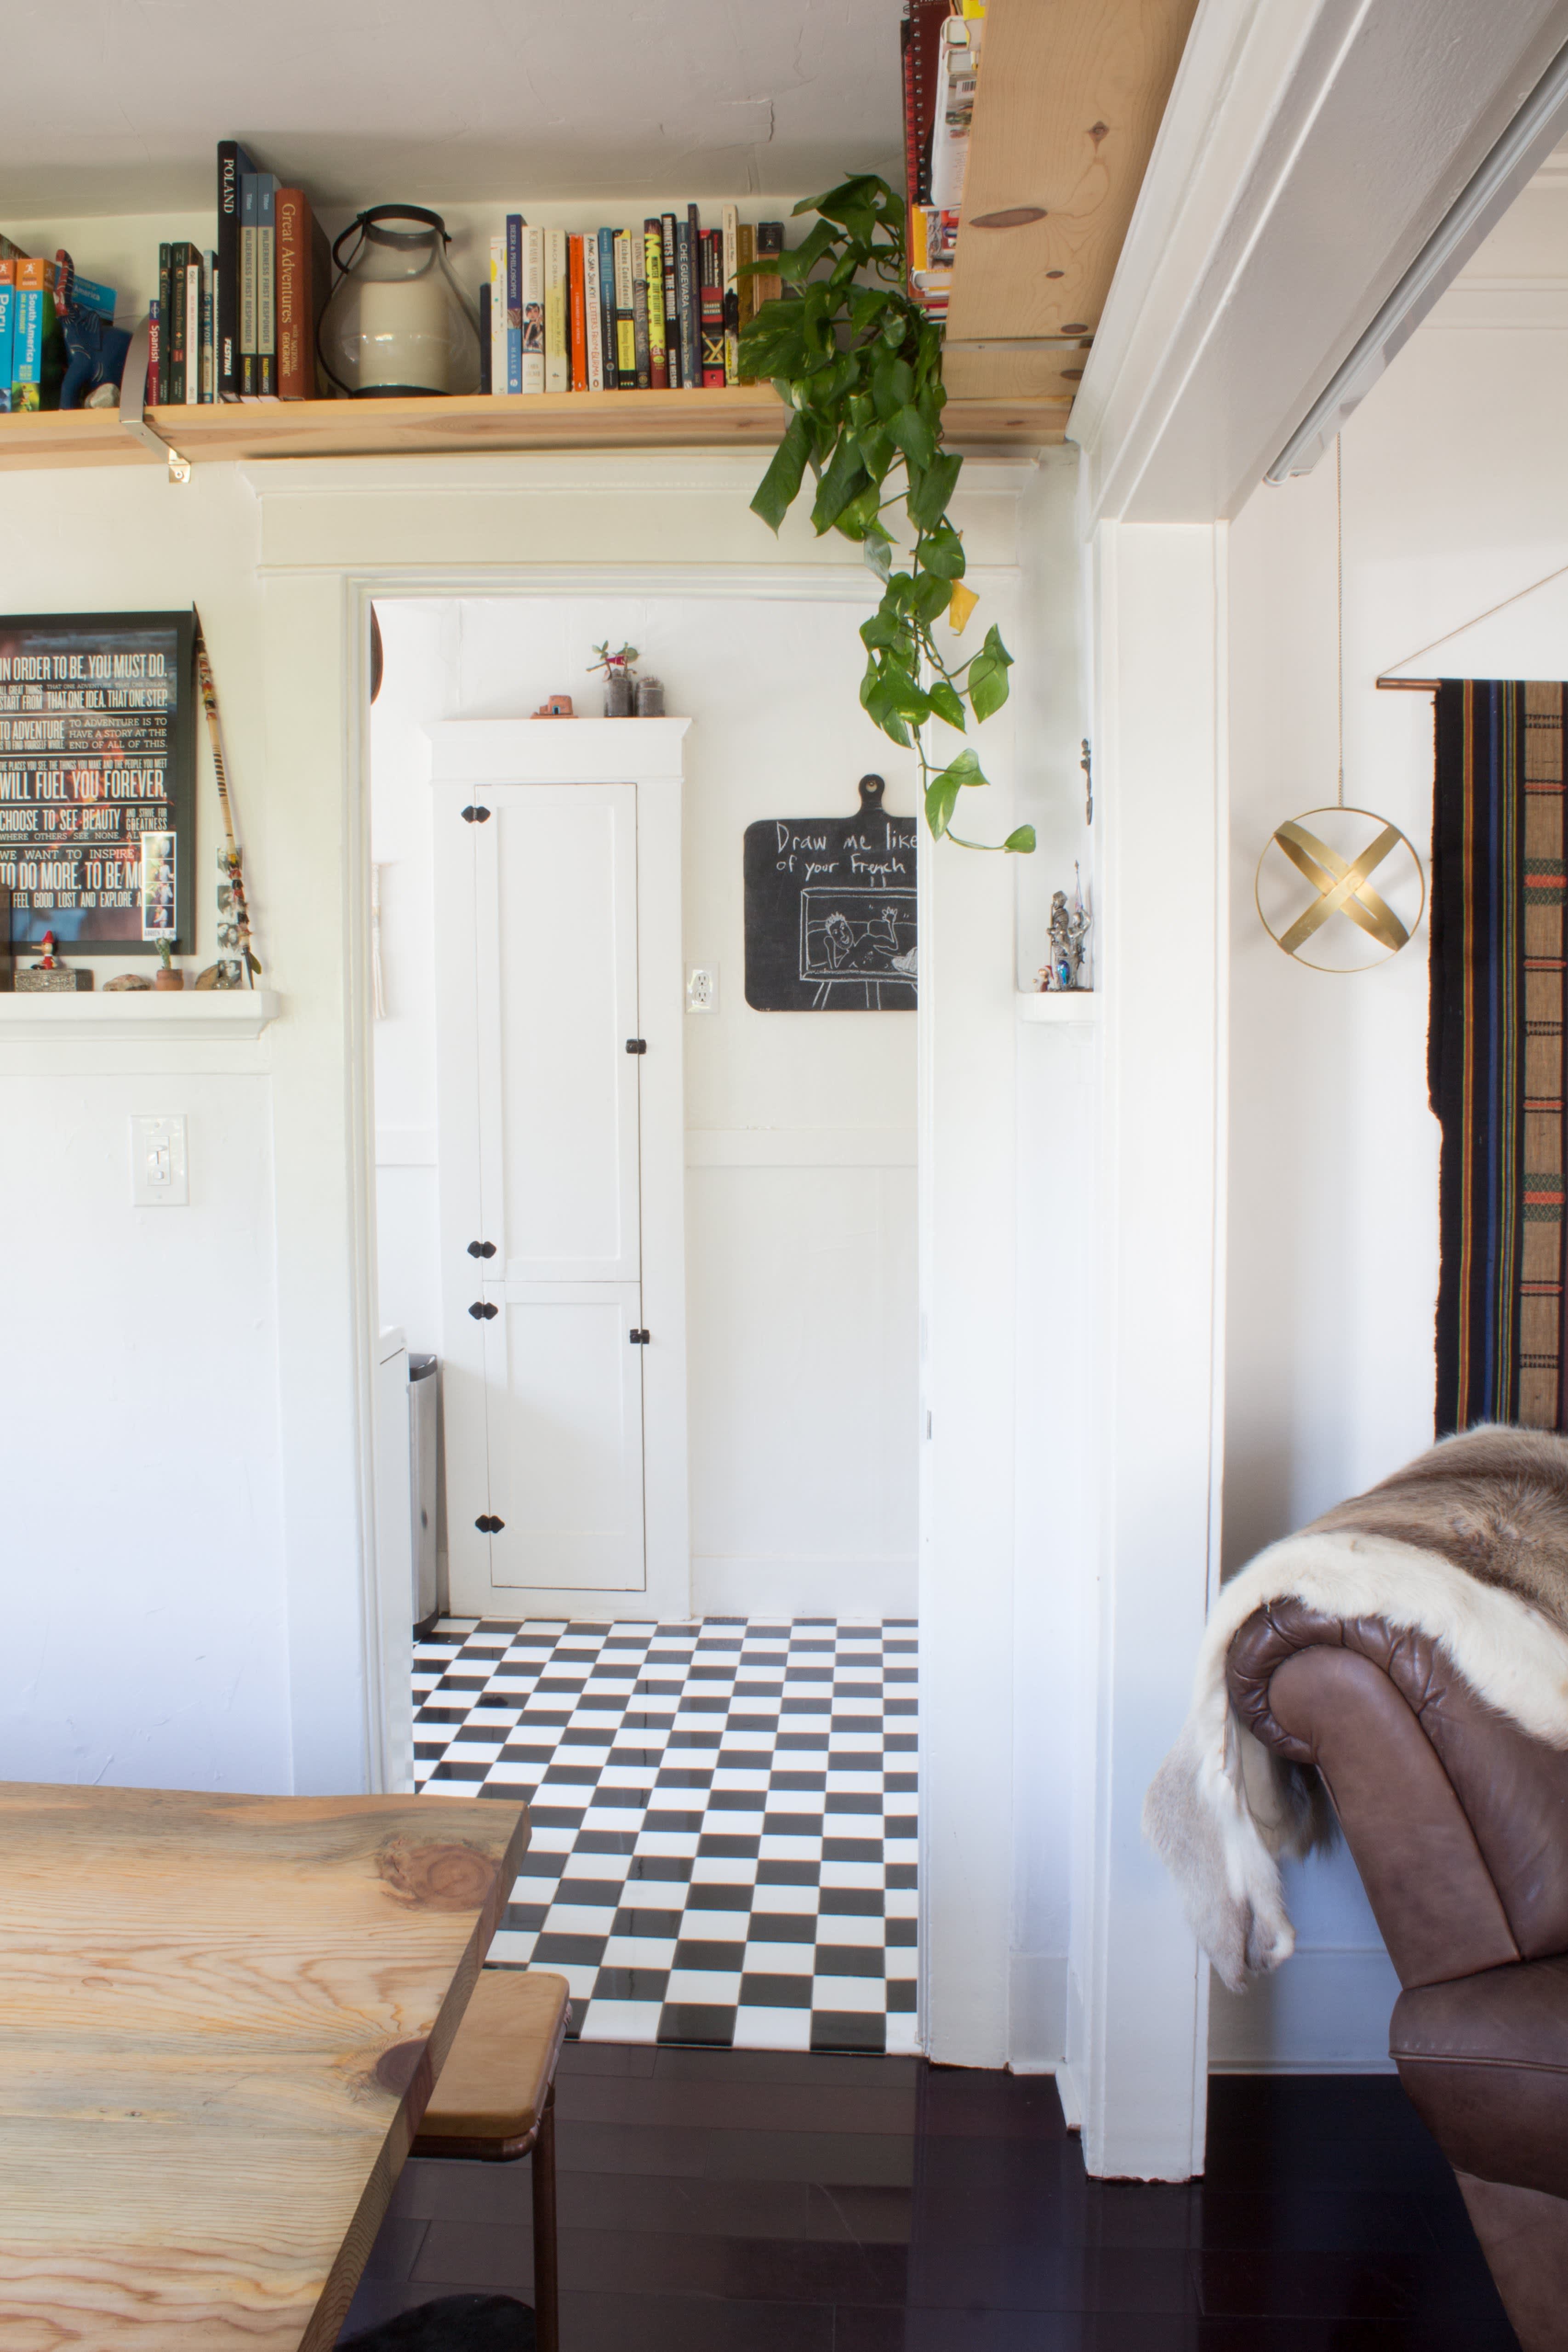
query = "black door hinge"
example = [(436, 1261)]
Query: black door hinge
[(474, 815), (636, 1044), (483, 1310), (488, 1524), (638, 1339), (481, 1249)]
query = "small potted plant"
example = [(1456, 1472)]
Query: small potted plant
[(168, 974), (620, 681)]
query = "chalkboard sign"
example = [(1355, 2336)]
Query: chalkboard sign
[(98, 779), (830, 911)]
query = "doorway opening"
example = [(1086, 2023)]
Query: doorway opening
[(662, 1245)]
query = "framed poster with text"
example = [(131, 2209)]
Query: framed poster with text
[(98, 767)]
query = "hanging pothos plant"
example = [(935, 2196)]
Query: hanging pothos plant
[(859, 366)]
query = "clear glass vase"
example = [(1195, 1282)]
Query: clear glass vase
[(397, 324)]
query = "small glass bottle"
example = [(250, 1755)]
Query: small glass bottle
[(618, 691), (650, 698)]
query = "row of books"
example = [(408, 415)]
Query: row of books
[(239, 321), (658, 308), (32, 355), (941, 44)]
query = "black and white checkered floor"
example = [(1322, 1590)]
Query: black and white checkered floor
[(724, 1818)]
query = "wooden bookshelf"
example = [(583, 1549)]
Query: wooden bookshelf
[(744, 416), (1071, 97)]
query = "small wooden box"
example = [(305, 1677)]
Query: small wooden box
[(61, 981)]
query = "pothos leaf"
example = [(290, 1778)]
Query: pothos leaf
[(988, 680), (941, 800), (777, 490), (1020, 841), (945, 704), (943, 552)]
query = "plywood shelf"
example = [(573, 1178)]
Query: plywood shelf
[(740, 416), (1068, 102)]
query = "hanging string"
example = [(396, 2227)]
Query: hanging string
[(1339, 591)]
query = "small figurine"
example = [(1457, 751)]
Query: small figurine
[(557, 706), (46, 960), (1070, 927), (95, 346), (168, 975)]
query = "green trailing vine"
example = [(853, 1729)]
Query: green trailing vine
[(859, 366)]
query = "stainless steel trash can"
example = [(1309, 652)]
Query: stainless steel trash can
[(424, 1459)]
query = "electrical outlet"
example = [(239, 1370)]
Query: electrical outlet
[(158, 1174), (702, 988)]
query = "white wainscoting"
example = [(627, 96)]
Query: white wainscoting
[(803, 1361)]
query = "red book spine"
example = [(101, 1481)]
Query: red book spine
[(577, 314)]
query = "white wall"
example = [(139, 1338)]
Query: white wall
[(1456, 494), (800, 1127), (142, 1557)]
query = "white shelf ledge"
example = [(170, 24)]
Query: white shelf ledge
[(1056, 1005), (138, 1015)]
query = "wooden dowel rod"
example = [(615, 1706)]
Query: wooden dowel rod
[(1409, 685)]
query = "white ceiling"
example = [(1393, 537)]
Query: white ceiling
[(391, 100)]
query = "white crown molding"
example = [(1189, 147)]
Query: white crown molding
[(1490, 305), (137, 1016)]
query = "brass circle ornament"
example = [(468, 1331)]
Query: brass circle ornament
[(1340, 889)]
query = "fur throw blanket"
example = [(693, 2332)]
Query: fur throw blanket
[(1468, 1545)]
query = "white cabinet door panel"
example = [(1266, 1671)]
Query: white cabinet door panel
[(564, 1423), (557, 918)]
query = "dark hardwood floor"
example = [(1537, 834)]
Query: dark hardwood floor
[(735, 2200)]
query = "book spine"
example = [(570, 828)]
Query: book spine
[(577, 313), (533, 310), (7, 328), (498, 314), (641, 349), (293, 371), (247, 216), (557, 363), (687, 298), (592, 314), (174, 375), (671, 314), (209, 328), (654, 276), (625, 315), (27, 341), (193, 324), (151, 396), (485, 337), (745, 254), (731, 295), (607, 308), (514, 302), (713, 309), (164, 255), (770, 245), (232, 161), (266, 286)]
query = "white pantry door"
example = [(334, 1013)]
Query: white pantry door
[(540, 1133)]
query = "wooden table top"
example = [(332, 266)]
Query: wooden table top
[(220, 2020)]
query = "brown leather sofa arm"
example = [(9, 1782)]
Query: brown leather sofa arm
[(1318, 1691)]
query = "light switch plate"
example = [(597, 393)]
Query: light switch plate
[(159, 1177), (702, 988)]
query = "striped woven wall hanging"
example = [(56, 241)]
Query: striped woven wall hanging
[(1496, 1051)]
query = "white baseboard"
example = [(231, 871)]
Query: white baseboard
[(1037, 2011), (803, 1588), (1324, 2012)]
